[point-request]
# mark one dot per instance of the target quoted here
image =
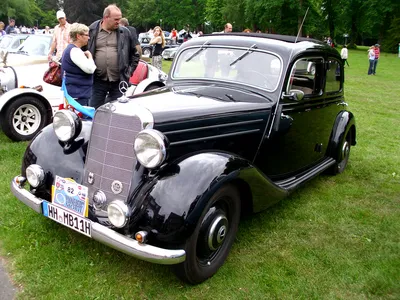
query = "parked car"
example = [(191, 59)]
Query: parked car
[(165, 175), (27, 103), (10, 43), (169, 54)]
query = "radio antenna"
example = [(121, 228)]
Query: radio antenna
[(301, 26)]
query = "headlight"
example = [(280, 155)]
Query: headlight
[(35, 175), (150, 148), (118, 213), (67, 125)]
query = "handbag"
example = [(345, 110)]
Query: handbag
[(53, 74)]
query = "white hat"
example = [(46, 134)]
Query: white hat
[(60, 14)]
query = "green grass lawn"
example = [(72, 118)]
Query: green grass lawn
[(336, 238)]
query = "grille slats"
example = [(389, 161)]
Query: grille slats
[(110, 155)]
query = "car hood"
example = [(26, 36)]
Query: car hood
[(179, 103), (16, 59)]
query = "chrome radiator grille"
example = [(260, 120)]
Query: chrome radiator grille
[(110, 157)]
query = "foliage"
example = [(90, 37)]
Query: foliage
[(365, 22)]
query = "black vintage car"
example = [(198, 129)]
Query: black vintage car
[(165, 176)]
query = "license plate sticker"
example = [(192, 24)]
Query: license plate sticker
[(71, 196), (67, 218)]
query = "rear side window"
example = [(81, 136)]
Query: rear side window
[(333, 76), (306, 76)]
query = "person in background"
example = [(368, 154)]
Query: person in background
[(227, 28), (344, 53), (2, 31), (247, 30), (377, 54), (159, 43), (46, 30), (371, 58), (114, 53), (174, 35), (11, 27), (78, 66), (124, 22), (61, 37), (200, 33)]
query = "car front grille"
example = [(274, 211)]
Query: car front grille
[(110, 158)]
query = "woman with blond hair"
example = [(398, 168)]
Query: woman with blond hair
[(159, 43), (2, 31), (78, 65)]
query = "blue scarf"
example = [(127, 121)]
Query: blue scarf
[(88, 111)]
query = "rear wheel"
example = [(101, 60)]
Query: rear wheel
[(210, 243), (343, 156), (23, 118), (151, 87), (146, 52)]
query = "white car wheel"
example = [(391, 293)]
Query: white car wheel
[(26, 119), (23, 117)]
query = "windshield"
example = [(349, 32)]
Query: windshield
[(5, 42), (244, 66), (36, 45)]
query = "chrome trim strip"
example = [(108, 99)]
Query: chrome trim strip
[(108, 236), (214, 126), (214, 137)]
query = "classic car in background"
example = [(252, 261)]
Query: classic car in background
[(27, 103), (165, 176), (10, 43), (169, 54)]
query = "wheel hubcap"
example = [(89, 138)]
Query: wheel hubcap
[(345, 151), (217, 232), (26, 119)]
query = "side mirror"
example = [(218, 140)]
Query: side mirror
[(296, 95)]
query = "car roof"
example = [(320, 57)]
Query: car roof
[(284, 45)]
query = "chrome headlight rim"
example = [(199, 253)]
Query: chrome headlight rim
[(162, 143), (124, 211), (73, 121), (38, 173)]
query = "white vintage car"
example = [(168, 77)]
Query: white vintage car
[(27, 103)]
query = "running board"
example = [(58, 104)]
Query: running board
[(292, 183)]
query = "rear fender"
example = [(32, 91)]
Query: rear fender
[(344, 123), (141, 87)]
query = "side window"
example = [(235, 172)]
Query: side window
[(333, 76), (306, 76)]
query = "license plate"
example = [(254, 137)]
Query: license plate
[(71, 196), (67, 218)]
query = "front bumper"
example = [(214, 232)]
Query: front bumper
[(105, 235)]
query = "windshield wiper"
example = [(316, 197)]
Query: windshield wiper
[(248, 51), (206, 43), (22, 52)]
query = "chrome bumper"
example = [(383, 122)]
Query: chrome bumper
[(105, 235)]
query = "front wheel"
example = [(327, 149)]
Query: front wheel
[(23, 118), (146, 52), (211, 241)]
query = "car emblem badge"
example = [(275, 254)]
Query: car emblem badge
[(117, 187), (90, 178), (123, 88)]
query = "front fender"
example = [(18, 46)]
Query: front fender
[(345, 121), (56, 159), (170, 205), (11, 94)]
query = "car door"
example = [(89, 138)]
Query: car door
[(300, 138)]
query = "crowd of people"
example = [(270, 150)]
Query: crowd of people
[(13, 29)]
